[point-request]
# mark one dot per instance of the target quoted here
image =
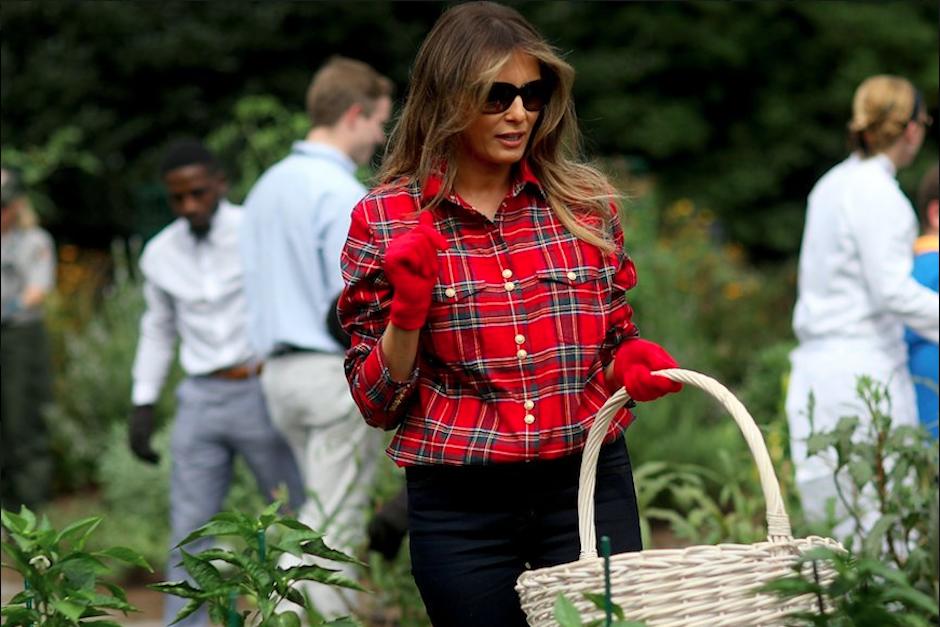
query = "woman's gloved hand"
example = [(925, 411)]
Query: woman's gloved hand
[(411, 267), (633, 363)]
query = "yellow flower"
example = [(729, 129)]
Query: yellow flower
[(733, 290)]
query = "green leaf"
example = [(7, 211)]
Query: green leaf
[(71, 611), (80, 567), (262, 579), (295, 596), (112, 602), (790, 587), (191, 606), (318, 548), (861, 472), (598, 600), (78, 531), (873, 541), (205, 574), (19, 615), (126, 555), (293, 523), (566, 613), (182, 589), (13, 523), (217, 528), (914, 599), (29, 517), (116, 591), (269, 515), (312, 572), (819, 442)]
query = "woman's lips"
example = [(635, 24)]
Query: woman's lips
[(511, 140)]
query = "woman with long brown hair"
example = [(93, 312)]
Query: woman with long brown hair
[(485, 297)]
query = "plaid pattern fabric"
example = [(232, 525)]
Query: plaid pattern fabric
[(523, 320)]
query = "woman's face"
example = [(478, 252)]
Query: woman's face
[(498, 140)]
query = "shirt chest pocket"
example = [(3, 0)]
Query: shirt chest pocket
[(579, 298), (456, 322)]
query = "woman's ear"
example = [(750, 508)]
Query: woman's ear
[(933, 214)]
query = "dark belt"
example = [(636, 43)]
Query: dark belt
[(238, 373), (286, 349)]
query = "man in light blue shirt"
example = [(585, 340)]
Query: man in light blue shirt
[(297, 219)]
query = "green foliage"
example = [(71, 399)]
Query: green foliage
[(710, 308), (93, 376), (892, 470), (701, 505), (253, 571), (863, 593), (567, 614), (738, 106), (62, 579), (259, 133), (37, 163), (892, 577)]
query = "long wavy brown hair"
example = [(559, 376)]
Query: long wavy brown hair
[(452, 74)]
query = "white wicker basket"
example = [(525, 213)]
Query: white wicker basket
[(693, 586)]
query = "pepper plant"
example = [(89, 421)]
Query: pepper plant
[(62, 582), (889, 576), (253, 572)]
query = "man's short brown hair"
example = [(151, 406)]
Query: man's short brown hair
[(340, 83), (928, 191)]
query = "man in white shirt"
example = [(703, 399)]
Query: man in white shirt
[(194, 293), (296, 223)]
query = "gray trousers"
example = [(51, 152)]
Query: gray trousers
[(215, 420)]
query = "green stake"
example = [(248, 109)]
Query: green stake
[(233, 620), (608, 603), (261, 546)]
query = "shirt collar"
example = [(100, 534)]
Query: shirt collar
[(926, 244), (885, 163), (215, 225), (523, 176), (321, 150)]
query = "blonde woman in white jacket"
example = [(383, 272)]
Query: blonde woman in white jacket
[(855, 291)]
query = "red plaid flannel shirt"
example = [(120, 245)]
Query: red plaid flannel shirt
[(523, 320)]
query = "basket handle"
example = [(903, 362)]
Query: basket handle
[(778, 523)]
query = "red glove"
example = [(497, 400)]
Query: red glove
[(411, 268), (633, 363)]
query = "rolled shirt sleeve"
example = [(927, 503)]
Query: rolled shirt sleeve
[(364, 314)]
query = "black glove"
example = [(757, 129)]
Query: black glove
[(388, 527), (140, 432), (334, 327)]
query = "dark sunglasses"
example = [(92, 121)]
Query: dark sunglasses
[(918, 115), (534, 96)]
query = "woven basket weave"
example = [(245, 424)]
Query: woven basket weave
[(693, 586)]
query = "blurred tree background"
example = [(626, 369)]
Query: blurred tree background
[(736, 106), (715, 117)]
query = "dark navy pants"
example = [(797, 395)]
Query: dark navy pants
[(474, 529)]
